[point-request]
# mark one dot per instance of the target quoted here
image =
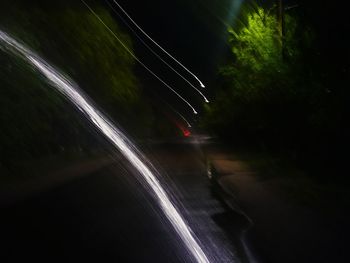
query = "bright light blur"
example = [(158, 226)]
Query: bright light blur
[(72, 92)]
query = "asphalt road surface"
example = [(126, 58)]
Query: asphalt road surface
[(109, 216)]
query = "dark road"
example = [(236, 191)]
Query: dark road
[(108, 216), (174, 131)]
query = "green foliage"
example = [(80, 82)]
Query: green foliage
[(259, 73), (76, 41), (278, 94), (257, 45), (35, 120), (266, 94)]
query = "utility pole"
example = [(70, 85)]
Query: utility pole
[(281, 25), (280, 18)]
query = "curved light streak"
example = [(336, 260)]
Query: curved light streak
[(137, 59), (159, 46), (72, 92), (155, 53), (180, 115), (184, 119)]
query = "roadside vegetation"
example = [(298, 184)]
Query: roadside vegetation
[(277, 93), (36, 122)]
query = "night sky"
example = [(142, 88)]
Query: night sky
[(184, 33), (193, 32)]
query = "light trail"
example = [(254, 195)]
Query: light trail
[(155, 53), (159, 46), (180, 115), (184, 119), (137, 59), (72, 92)]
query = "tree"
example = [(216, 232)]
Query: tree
[(35, 120), (261, 98)]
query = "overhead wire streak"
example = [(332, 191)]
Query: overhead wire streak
[(155, 53), (137, 59), (159, 46)]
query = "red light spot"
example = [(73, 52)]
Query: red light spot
[(187, 133)]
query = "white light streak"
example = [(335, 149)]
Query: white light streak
[(137, 59), (72, 92), (160, 47), (181, 116), (155, 54)]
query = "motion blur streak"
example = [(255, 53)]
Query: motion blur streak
[(154, 42), (184, 119), (181, 116), (72, 92), (137, 59), (155, 53)]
